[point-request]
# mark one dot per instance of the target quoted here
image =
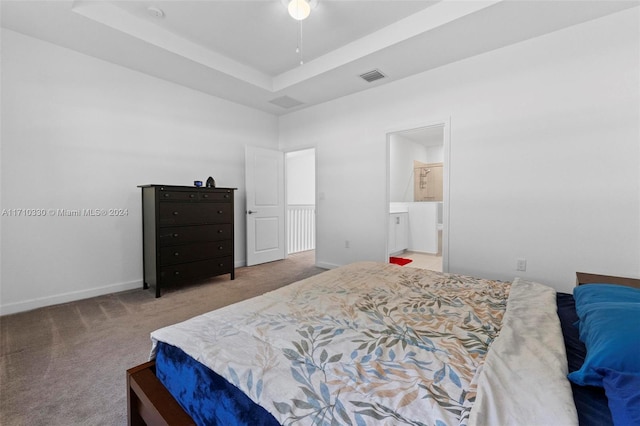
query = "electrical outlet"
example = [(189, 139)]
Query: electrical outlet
[(347, 243), (521, 264)]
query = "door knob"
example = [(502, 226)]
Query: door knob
[(251, 212)]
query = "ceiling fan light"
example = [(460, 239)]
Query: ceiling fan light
[(299, 9)]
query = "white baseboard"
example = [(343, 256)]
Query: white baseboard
[(423, 252), (41, 302), (325, 265)]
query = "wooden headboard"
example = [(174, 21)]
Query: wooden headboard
[(586, 278)]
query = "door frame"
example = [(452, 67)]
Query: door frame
[(446, 170)]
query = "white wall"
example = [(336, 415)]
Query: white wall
[(402, 153), (301, 177), (544, 156), (80, 133), (435, 154)]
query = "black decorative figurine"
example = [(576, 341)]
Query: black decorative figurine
[(211, 183)]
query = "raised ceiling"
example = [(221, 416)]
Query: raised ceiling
[(245, 51)]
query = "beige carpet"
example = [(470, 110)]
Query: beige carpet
[(65, 364)]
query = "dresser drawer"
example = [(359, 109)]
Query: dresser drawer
[(194, 234), (178, 195), (192, 252), (196, 270), (197, 195), (195, 213), (215, 196)]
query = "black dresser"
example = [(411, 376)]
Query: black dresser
[(187, 234)]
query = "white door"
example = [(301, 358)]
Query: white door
[(264, 179)]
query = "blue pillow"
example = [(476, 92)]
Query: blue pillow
[(611, 332), (596, 293), (623, 393)]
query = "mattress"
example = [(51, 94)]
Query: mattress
[(375, 378)]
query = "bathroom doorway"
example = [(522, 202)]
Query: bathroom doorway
[(418, 195)]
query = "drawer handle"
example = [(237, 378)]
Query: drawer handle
[(176, 254), (220, 264), (219, 211), (175, 213), (219, 231), (176, 273), (226, 195), (191, 195), (220, 248), (166, 195), (175, 235), (205, 196)]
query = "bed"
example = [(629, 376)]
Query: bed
[(373, 343)]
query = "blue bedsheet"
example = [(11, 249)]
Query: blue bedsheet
[(591, 402), (205, 396)]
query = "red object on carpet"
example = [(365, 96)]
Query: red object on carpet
[(399, 260)]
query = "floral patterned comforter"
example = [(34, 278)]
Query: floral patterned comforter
[(367, 343)]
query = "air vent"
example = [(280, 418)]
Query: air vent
[(372, 76), (286, 102)]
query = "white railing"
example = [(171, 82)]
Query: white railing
[(301, 220)]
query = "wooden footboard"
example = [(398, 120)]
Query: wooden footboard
[(149, 402), (586, 278)]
